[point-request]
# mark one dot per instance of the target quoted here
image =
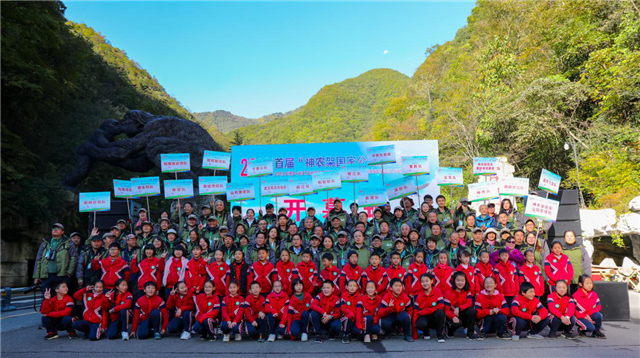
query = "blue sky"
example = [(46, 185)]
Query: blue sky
[(256, 58)]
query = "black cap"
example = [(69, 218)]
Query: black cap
[(268, 206), (336, 200), (114, 244), (97, 238)]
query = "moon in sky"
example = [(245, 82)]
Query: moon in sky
[(385, 52)]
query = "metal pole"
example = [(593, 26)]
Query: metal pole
[(305, 202), (214, 195), (575, 159), (354, 192), (260, 192), (94, 219), (382, 172), (418, 193), (276, 204), (129, 210), (149, 211), (176, 173)]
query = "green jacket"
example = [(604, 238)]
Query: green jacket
[(66, 258), (363, 255), (444, 218), (580, 260)]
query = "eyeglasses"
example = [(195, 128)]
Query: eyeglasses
[(511, 242)]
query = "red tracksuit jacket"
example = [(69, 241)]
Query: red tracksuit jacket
[(377, 275), (327, 304), (184, 303), (443, 277), (295, 307), (56, 308), (349, 305), (276, 304), (507, 278), (482, 272), (150, 270), (368, 306), (350, 272), (285, 273), (457, 299), (95, 306), (558, 268), (265, 274), (412, 279), (309, 275), (174, 271), (332, 274), (523, 308), (120, 302), (207, 307), (470, 272), (587, 303), (252, 307), (219, 273), (426, 304), (233, 308), (196, 274), (143, 309), (392, 304), (561, 306), (112, 270), (531, 274), (396, 272), (485, 302)]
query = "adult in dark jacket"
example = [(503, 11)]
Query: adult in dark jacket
[(56, 259)]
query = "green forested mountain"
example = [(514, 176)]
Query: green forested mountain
[(344, 111), (524, 77), (226, 121), (59, 82)]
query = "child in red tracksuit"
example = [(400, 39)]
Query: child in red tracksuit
[(492, 309), (330, 272), (588, 308), (150, 268), (506, 276), (175, 269), (232, 313), (94, 317), (557, 266), (297, 319), (350, 271), (254, 313), (121, 303), (325, 311), (308, 272), (465, 266), (181, 308), (208, 310), (113, 267), (415, 271), (376, 274), (395, 310), (458, 304), (395, 270), (429, 309), (218, 272), (528, 313), (196, 273), (349, 307), (530, 272), (56, 311), (286, 271), (150, 314), (275, 306), (562, 309), (367, 315), (442, 273), (264, 272), (483, 270)]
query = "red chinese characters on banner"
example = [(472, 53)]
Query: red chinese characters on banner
[(95, 202), (295, 206), (328, 206)]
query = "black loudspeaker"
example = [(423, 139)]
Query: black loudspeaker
[(568, 215), (614, 298)]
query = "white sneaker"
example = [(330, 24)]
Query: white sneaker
[(225, 338), (515, 338), (125, 336), (304, 337), (280, 336), (535, 336), (185, 335), (238, 337), (367, 338), (272, 338), (426, 337)]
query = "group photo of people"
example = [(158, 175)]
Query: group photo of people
[(438, 271)]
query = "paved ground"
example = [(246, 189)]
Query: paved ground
[(21, 338)]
